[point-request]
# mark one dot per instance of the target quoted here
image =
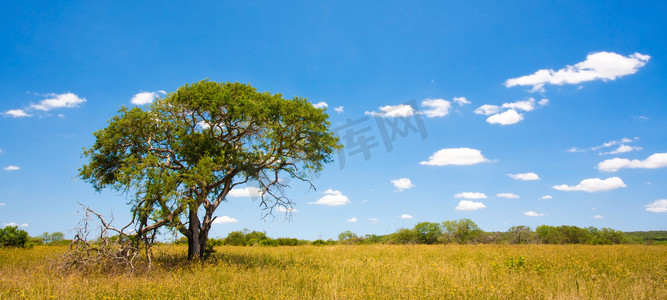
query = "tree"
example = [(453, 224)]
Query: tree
[(520, 234), (180, 157), (404, 236), (461, 231), (427, 232), (348, 237), (12, 236)]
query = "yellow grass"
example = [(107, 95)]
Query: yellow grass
[(358, 272)]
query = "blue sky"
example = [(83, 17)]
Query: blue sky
[(507, 113)]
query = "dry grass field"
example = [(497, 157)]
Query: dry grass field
[(356, 272)]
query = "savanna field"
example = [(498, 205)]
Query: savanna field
[(354, 272)]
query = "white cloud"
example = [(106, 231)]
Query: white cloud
[(351, 220), (471, 195), (436, 107), (224, 220), (508, 117), (658, 206), (623, 148), (406, 216), (461, 101), (394, 111), (145, 97), (487, 109), (657, 160), (12, 168), (2, 204), (245, 192), (332, 198), (339, 109), (598, 217), (373, 220), (508, 195), (525, 105), (17, 113), (531, 213), (546, 197), (286, 209), (605, 145), (402, 184), (16, 224), (321, 105), (543, 102), (597, 66), (455, 156), (469, 205), (592, 185), (524, 176), (67, 100)]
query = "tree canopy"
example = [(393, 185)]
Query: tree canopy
[(181, 156)]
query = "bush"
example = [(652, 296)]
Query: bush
[(12, 236)]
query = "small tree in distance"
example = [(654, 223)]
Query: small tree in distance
[(181, 156)]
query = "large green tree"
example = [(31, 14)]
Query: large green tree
[(181, 156)]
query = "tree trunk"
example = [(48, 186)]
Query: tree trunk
[(194, 242)]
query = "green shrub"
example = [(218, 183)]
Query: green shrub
[(12, 236)]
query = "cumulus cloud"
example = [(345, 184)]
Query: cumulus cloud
[(605, 145), (658, 206), (373, 220), (543, 102), (332, 198), (524, 176), (245, 192), (657, 160), (471, 195), (461, 101), (598, 217), (525, 105), (351, 220), (592, 185), (17, 113), (144, 98), (393, 111), (16, 224), (12, 168), (506, 118), (339, 109), (321, 105), (531, 213), (436, 107), (406, 216), (455, 156), (402, 184), (67, 100), (623, 148), (546, 197), (224, 220), (487, 109), (469, 205), (597, 66), (508, 196)]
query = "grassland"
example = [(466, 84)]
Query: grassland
[(353, 272)]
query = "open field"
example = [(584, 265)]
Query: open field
[(370, 271)]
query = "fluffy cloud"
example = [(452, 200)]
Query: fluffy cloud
[(373, 220), (606, 145), (597, 66), (487, 109), (510, 115), (508, 196), (67, 100), (659, 206), (351, 220), (393, 111), (658, 160), (543, 102), (436, 107), (469, 205), (592, 185), (402, 184), (406, 216), (506, 118), (533, 214), (598, 217), (245, 192), (525, 105), (286, 210), (623, 148), (146, 97), (16, 224), (2, 204), (224, 220), (339, 109), (332, 198), (461, 101), (321, 105), (546, 197), (471, 195), (524, 176), (455, 156), (17, 113), (12, 168)]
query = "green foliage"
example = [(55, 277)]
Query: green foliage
[(189, 149), (520, 234), (55, 238), (12, 236), (462, 231), (349, 237), (404, 236), (427, 232)]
